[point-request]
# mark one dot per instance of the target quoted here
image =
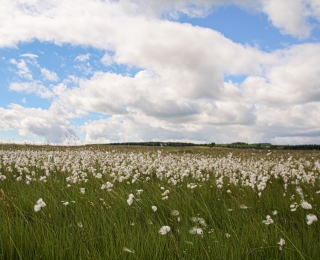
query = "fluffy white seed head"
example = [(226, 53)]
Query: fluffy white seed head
[(40, 204), (311, 218), (268, 220), (281, 243), (175, 212), (305, 205), (164, 230)]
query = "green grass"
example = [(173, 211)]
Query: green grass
[(111, 224)]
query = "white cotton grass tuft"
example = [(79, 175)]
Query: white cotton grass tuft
[(228, 235), (274, 212), (300, 192), (174, 212), (154, 208), (164, 230), (108, 186), (99, 176), (305, 205), (139, 192), (128, 250), (294, 206), (242, 206), (80, 225), (199, 221), (165, 193), (130, 199), (281, 243), (268, 220), (196, 231), (40, 204), (82, 190), (311, 218)]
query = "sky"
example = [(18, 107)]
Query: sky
[(98, 71)]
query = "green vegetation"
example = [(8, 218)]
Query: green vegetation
[(215, 201)]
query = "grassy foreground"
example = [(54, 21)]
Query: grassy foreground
[(215, 202)]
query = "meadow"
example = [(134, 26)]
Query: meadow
[(104, 202)]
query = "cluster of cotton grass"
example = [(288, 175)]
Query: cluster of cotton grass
[(109, 169), (189, 170)]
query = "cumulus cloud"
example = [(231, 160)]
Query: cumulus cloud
[(136, 126), (29, 20), (179, 92), (23, 70), (50, 124), (107, 59), (289, 16), (49, 75), (83, 57), (32, 87), (177, 80), (292, 77), (175, 8)]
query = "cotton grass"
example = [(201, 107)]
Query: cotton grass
[(111, 202)]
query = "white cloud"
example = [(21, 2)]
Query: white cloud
[(83, 57), (39, 20), (107, 59), (104, 131), (292, 77), (49, 124), (315, 8), (31, 87), (29, 55), (289, 16), (179, 92), (49, 75), (139, 127), (175, 8), (23, 70)]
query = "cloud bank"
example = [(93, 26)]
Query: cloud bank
[(179, 91)]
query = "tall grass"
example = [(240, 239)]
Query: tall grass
[(100, 224)]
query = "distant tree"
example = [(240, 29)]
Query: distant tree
[(212, 144)]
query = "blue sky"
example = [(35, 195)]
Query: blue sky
[(199, 71)]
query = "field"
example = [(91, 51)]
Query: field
[(105, 202)]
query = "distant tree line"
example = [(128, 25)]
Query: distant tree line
[(302, 147), (172, 144), (238, 145), (269, 146)]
